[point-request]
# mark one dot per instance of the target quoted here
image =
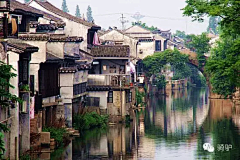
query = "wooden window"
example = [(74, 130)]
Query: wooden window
[(49, 80), (110, 97), (32, 85), (79, 88), (157, 45), (93, 101), (128, 96), (23, 71)]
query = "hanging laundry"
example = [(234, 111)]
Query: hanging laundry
[(96, 40), (132, 67), (14, 26)]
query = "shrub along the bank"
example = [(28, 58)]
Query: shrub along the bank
[(89, 120), (60, 135)]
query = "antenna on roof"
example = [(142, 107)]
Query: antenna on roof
[(123, 21), (137, 16)]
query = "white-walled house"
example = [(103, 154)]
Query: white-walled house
[(120, 38), (149, 42), (110, 81), (74, 26)]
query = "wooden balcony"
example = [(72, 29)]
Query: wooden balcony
[(116, 80)]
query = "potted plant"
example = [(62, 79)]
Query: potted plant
[(24, 88)]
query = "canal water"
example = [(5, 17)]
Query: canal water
[(183, 125)]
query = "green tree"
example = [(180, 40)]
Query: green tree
[(152, 28), (200, 45), (6, 98), (64, 6), (228, 11), (180, 34), (154, 64), (223, 65), (78, 14), (89, 14), (213, 25)]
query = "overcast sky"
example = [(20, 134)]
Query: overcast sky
[(164, 14)]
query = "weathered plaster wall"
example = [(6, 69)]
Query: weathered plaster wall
[(66, 87), (103, 98), (72, 28), (80, 77), (109, 63), (118, 107), (56, 48), (13, 60), (147, 48), (71, 48), (117, 36), (36, 59)]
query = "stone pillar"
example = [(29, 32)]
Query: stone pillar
[(68, 114), (24, 123)]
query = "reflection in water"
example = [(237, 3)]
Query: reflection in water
[(171, 127)]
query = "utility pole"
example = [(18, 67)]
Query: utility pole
[(123, 21)]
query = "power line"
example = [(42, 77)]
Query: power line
[(148, 16)]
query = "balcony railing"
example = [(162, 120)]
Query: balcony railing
[(109, 80)]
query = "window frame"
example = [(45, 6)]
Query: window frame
[(110, 97)]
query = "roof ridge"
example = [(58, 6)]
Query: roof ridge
[(25, 7), (49, 6)]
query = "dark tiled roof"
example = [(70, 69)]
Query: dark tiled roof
[(52, 8), (111, 51), (75, 68), (50, 27), (99, 88), (17, 44), (68, 69), (16, 6), (49, 37)]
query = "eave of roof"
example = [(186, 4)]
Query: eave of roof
[(24, 47), (52, 8), (49, 37), (111, 51), (21, 8)]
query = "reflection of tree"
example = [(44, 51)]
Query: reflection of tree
[(222, 132), (175, 116), (225, 132), (82, 145)]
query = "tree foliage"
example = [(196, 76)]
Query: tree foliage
[(213, 25), (89, 14), (227, 10), (2, 145), (180, 34), (64, 6), (152, 28), (78, 14), (200, 45), (223, 65), (6, 98), (5, 76), (154, 64)]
